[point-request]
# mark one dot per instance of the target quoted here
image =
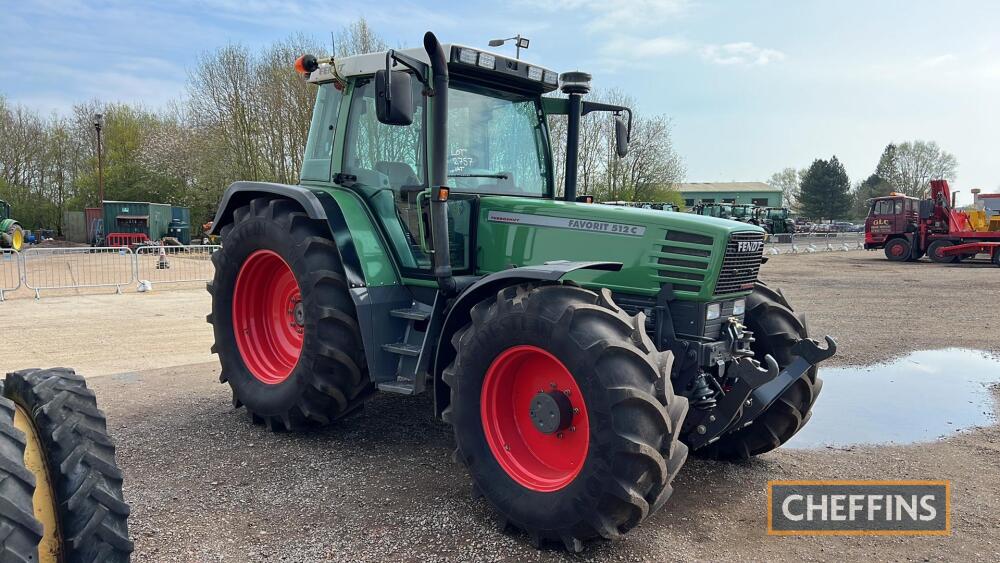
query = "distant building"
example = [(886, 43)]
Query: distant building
[(757, 193)]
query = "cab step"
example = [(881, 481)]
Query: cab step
[(403, 349), (413, 314), (400, 387)]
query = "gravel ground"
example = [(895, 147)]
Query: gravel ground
[(206, 485)]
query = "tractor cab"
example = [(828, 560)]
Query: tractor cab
[(744, 212), (894, 214), (720, 210)]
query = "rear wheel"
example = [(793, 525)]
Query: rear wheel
[(996, 256), (775, 328), (934, 252), (285, 326), (563, 413), (78, 496), (897, 250)]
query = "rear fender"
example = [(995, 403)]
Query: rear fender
[(459, 313), (316, 204)]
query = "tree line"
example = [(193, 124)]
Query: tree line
[(824, 191), (245, 116)]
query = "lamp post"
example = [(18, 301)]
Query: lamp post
[(98, 124), (520, 42)]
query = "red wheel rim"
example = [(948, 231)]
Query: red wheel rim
[(537, 460), (896, 249), (268, 317)]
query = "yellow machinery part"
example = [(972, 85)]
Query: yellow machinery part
[(979, 221), (17, 241), (44, 501)]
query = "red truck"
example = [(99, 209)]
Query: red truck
[(907, 228)]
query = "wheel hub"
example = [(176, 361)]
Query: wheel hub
[(551, 412), (268, 316), (534, 418)]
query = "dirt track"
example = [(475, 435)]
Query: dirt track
[(206, 485)]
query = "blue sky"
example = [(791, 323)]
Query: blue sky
[(752, 87)]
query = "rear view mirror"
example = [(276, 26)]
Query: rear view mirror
[(621, 137), (393, 97)]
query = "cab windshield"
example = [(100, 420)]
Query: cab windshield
[(496, 143)]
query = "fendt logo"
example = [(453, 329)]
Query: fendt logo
[(850, 508), (749, 245)]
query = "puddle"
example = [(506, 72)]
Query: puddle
[(922, 397)]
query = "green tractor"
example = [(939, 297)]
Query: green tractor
[(744, 213), (718, 210), (775, 220), (579, 351), (11, 233)]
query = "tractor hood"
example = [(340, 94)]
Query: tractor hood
[(656, 248)]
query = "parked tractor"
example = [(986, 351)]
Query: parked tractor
[(775, 220), (11, 233), (743, 212), (719, 210), (907, 228), (578, 351), (60, 488)]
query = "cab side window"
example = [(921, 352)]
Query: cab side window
[(322, 132)]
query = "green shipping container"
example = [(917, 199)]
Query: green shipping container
[(151, 219)]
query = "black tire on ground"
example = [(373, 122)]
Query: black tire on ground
[(996, 257), (934, 252), (330, 378), (775, 328), (80, 456), (635, 418), (20, 532), (898, 250)]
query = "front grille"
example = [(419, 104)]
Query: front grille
[(740, 266), (682, 260)]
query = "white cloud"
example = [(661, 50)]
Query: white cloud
[(939, 60), (742, 53)]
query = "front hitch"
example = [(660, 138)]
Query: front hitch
[(754, 390)]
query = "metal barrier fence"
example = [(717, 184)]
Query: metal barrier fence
[(174, 264), (805, 243), (75, 268), (10, 271)]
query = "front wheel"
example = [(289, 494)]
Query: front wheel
[(563, 413), (897, 250)]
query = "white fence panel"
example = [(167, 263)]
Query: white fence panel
[(10, 271), (74, 268), (174, 264)]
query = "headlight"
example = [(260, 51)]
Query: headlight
[(467, 56), (713, 311), (551, 77), (534, 73), (739, 306), (487, 60)]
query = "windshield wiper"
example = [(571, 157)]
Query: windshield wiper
[(497, 176)]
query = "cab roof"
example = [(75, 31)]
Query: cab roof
[(504, 68)]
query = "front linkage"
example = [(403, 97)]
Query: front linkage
[(753, 391)]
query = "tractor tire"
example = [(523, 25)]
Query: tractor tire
[(934, 252), (563, 413), (898, 250), (15, 234), (286, 329), (996, 257), (20, 531), (83, 483), (775, 328)]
